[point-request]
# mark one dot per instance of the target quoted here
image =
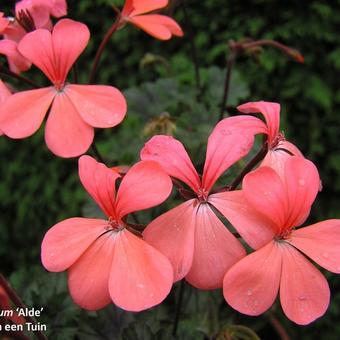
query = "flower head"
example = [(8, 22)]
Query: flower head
[(104, 259), (279, 205), (75, 110), (159, 26), (197, 243), (279, 149)]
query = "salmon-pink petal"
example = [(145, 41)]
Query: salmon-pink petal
[(159, 26), (277, 157), (215, 251), (100, 106), (4, 92), (88, 277), (66, 134), (302, 183), (304, 291), (172, 156), (99, 181), (254, 227), (320, 242), (173, 235), (252, 284), (69, 39), (135, 7), (37, 47), (271, 113), (4, 22), (144, 186), (14, 31), (140, 277), (16, 61), (58, 8), (66, 241), (23, 112), (262, 189), (231, 139)]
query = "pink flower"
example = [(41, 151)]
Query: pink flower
[(4, 22), (270, 202), (41, 10), (159, 26), (279, 150), (104, 259), (75, 110), (197, 243)]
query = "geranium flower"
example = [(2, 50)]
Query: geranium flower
[(197, 243), (75, 109), (279, 149), (41, 10), (252, 284), (159, 26), (104, 259), (4, 22)]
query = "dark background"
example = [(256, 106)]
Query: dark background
[(38, 189)]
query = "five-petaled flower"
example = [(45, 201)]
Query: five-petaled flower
[(104, 259), (279, 205), (279, 149), (199, 246), (159, 26), (75, 109)]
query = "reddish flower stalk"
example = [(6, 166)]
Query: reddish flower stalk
[(18, 302), (102, 46), (9, 73), (237, 48)]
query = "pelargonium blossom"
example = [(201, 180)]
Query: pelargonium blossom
[(75, 110), (279, 149), (104, 259), (41, 10), (30, 15), (159, 26), (281, 205), (197, 243)]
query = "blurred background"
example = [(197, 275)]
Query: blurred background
[(38, 189)]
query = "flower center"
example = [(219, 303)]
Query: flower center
[(279, 138), (113, 225), (202, 195)]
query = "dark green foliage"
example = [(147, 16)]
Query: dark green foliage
[(37, 189)]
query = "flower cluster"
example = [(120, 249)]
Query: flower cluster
[(135, 266)]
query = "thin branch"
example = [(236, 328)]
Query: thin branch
[(279, 328), (101, 48), (230, 63), (97, 153), (7, 72), (17, 301), (250, 165)]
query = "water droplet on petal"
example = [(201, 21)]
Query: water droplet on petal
[(302, 298), (325, 255), (249, 292), (302, 182), (226, 132)]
